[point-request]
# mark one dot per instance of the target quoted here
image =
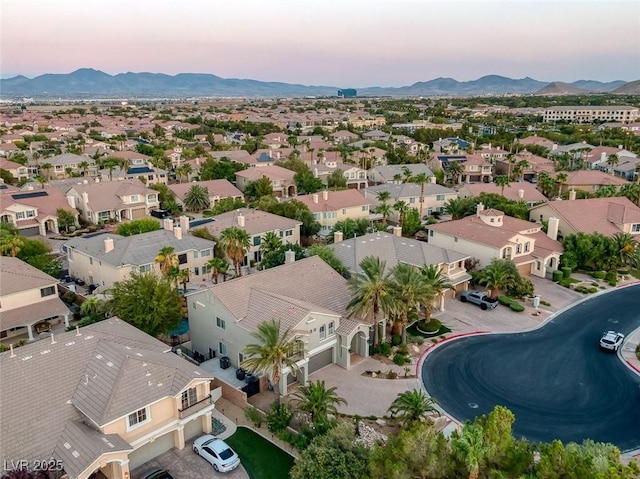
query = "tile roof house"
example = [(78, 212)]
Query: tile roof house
[(435, 196), (106, 258), (307, 296), (490, 234), (589, 181), (388, 174), (112, 200), (475, 168), (394, 249), (329, 207), (608, 216), (60, 164), (515, 191), (121, 398), (256, 223), (218, 190), (281, 179), (29, 300), (17, 170), (34, 212)]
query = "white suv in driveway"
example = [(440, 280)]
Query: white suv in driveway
[(611, 341)]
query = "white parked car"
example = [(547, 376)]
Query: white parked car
[(216, 452), (611, 340)]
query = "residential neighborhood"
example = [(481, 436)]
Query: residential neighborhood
[(176, 270)]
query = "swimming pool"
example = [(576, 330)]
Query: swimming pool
[(182, 328)]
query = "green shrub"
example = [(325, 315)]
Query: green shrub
[(517, 307), (403, 349), (505, 300), (623, 271), (638, 351), (567, 282), (385, 349), (401, 359), (434, 340), (279, 417), (396, 339), (611, 278), (373, 349), (598, 274), (593, 290), (299, 441), (69, 297), (556, 276), (207, 213), (253, 415), (432, 326), (545, 303), (566, 272)]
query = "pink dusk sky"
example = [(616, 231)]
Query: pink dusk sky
[(348, 43)]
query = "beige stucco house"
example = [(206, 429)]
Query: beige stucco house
[(329, 207), (307, 296), (107, 258), (281, 179), (218, 190), (435, 196), (120, 399)]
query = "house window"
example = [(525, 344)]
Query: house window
[(439, 197), (289, 233), (412, 201), (275, 183), (323, 331), (455, 239), (182, 258), (222, 348), (196, 271), (206, 269), (31, 213), (138, 418), (220, 323), (281, 234), (48, 291), (256, 240), (205, 252), (635, 228), (195, 254), (20, 215), (344, 211), (135, 198), (189, 398), (365, 208), (145, 268), (431, 233), (331, 328), (90, 260), (526, 247), (518, 248), (316, 216)]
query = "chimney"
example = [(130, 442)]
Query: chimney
[(521, 193), (479, 209), (108, 245), (572, 195), (397, 230), (278, 155), (552, 228), (241, 220), (167, 224), (184, 223), (289, 256), (338, 236), (85, 200), (177, 231), (603, 156), (325, 195), (315, 198), (433, 179)]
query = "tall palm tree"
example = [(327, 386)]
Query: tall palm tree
[(274, 351), (270, 242), (613, 161), (11, 245), (383, 208), (85, 166), (401, 207), (409, 290), (47, 168), (561, 179), (438, 282), (455, 169), (454, 207), (607, 191), (235, 243), (546, 183), (184, 275), (421, 179), (167, 259), (627, 249), (502, 181), (196, 199), (42, 180), (632, 192), (318, 401), (412, 406), (470, 448), (218, 267), (496, 276), (370, 288)]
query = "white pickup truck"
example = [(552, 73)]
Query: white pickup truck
[(478, 297)]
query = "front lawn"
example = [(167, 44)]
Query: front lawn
[(261, 458)]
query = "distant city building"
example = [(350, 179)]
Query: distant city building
[(588, 114), (348, 93)]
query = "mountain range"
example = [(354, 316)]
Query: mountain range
[(89, 83)]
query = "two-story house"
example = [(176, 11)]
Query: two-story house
[(107, 258), (490, 234), (515, 191), (29, 301), (112, 200), (218, 190), (430, 199), (474, 168), (281, 179), (329, 207), (309, 299), (257, 224), (397, 173), (100, 401), (70, 162), (17, 170), (34, 212)]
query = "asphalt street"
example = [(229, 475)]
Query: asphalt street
[(554, 379)]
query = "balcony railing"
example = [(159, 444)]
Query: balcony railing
[(195, 407)]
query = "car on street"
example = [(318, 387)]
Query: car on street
[(611, 340), (216, 452), (158, 474)]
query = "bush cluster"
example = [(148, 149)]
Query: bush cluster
[(253, 415), (512, 303), (279, 417), (586, 290), (597, 274)]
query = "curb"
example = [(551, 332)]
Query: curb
[(435, 345)]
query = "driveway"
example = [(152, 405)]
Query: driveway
[(554, 379), (185, 464)]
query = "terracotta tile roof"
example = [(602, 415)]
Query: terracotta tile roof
[(220, 188), (530, 192), (335, 200), (593, 177), (255, 222), (107, 196), (273, 172)]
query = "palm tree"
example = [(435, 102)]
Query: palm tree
[(47, 168), (627, 249), (93, 307), (455, 169), (397, 178), (412, 406), (274, 351), (607, 191), (613, 161), (318, 401), (632, 192), (502, 181), (561, 179), (42, 180), (469, 447), (235, 243), (370, 289), (184, 275), (455, 207), (270, 242), (497, 276), (184, 170), (383, 208), (218, 266), (421, 179), (401, 207), (11, 245), (546, 182), (196, 199), (167, 259), (409, 290), (85, 166), (435, 279)]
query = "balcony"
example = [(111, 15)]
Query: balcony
[(195, 407)]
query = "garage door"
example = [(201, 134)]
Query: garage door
[(193, 428), (149, 451), (31, 231), (524, 270), (138, 213), (321, 360)]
